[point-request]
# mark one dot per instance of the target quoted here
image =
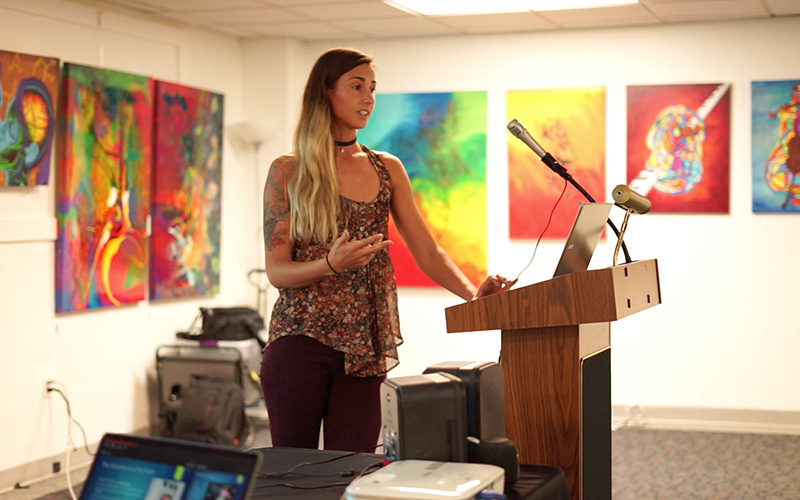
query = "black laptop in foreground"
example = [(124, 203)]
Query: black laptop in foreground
[(149, 468)]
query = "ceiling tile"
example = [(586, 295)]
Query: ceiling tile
[(686, 11), (601, 16), (389, 28), (497, 23), (139, 5), (783, 7), (652, 2), (348, 11), (199, 5), (188, 18), (301, 3), (343, 19), (304, 31), (236, 31), (262, 15)]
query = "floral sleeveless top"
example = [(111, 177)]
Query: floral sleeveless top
[(354, 312)]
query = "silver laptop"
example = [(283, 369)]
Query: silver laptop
[(583, 238)]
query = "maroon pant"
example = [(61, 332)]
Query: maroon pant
[(304, 385)]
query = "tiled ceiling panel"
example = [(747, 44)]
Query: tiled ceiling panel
[(626, 15), (710, 10), (308, 20), (348, 11), (497, 23)]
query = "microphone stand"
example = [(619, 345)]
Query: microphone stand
[(559, 169), (620, 241)]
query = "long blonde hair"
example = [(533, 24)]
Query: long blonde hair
[(313, 188)]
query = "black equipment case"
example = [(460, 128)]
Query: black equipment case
[(201, 394)]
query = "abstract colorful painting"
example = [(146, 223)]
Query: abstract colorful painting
[(441, 140), (103, 192), (679, 146), (28, 103), (570, 125), (776, 146), (185, 238)]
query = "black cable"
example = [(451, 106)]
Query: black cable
[(567, 177), (374, 465), (280, 475), (275, 475), (298, 487)]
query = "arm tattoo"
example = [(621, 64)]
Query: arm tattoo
[(276, 211)]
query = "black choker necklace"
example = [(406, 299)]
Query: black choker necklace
[(344, 144)]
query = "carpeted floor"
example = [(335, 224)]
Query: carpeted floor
[(661, 465), (672, 465)]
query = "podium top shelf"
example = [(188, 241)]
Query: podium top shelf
[(596, 296)]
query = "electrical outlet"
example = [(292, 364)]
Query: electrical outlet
[(49, 386), (635, 411), (56, 467)]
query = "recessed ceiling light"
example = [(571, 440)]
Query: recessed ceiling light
[(469, 7)]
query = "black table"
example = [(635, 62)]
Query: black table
[(326, 474)]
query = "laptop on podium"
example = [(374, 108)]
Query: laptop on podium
[(583, 238)]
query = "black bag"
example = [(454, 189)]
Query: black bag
[(231, 323), (212, 411), (227, 323)]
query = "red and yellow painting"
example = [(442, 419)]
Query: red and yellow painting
[(679, 146), (570, 125), (103, 188)]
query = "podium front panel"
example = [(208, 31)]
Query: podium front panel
[(558, 405)]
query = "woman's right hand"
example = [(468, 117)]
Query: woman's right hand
[(353, 254)]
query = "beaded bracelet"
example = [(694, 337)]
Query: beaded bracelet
[(330, 266)]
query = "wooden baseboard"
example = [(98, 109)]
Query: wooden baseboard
[(707, 419)]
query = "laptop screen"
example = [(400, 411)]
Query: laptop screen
[(583, 238), (146, 468)]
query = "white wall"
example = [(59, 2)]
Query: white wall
[(723, 338), (105, 358)]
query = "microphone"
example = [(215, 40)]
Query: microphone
[(629, 199), (521, 133)]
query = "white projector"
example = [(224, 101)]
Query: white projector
[(427, 480)]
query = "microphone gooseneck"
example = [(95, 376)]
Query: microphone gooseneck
[(520, 132)]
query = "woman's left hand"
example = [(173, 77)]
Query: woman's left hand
[(494, 284)]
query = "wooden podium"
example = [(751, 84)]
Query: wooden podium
[(556, 359)]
